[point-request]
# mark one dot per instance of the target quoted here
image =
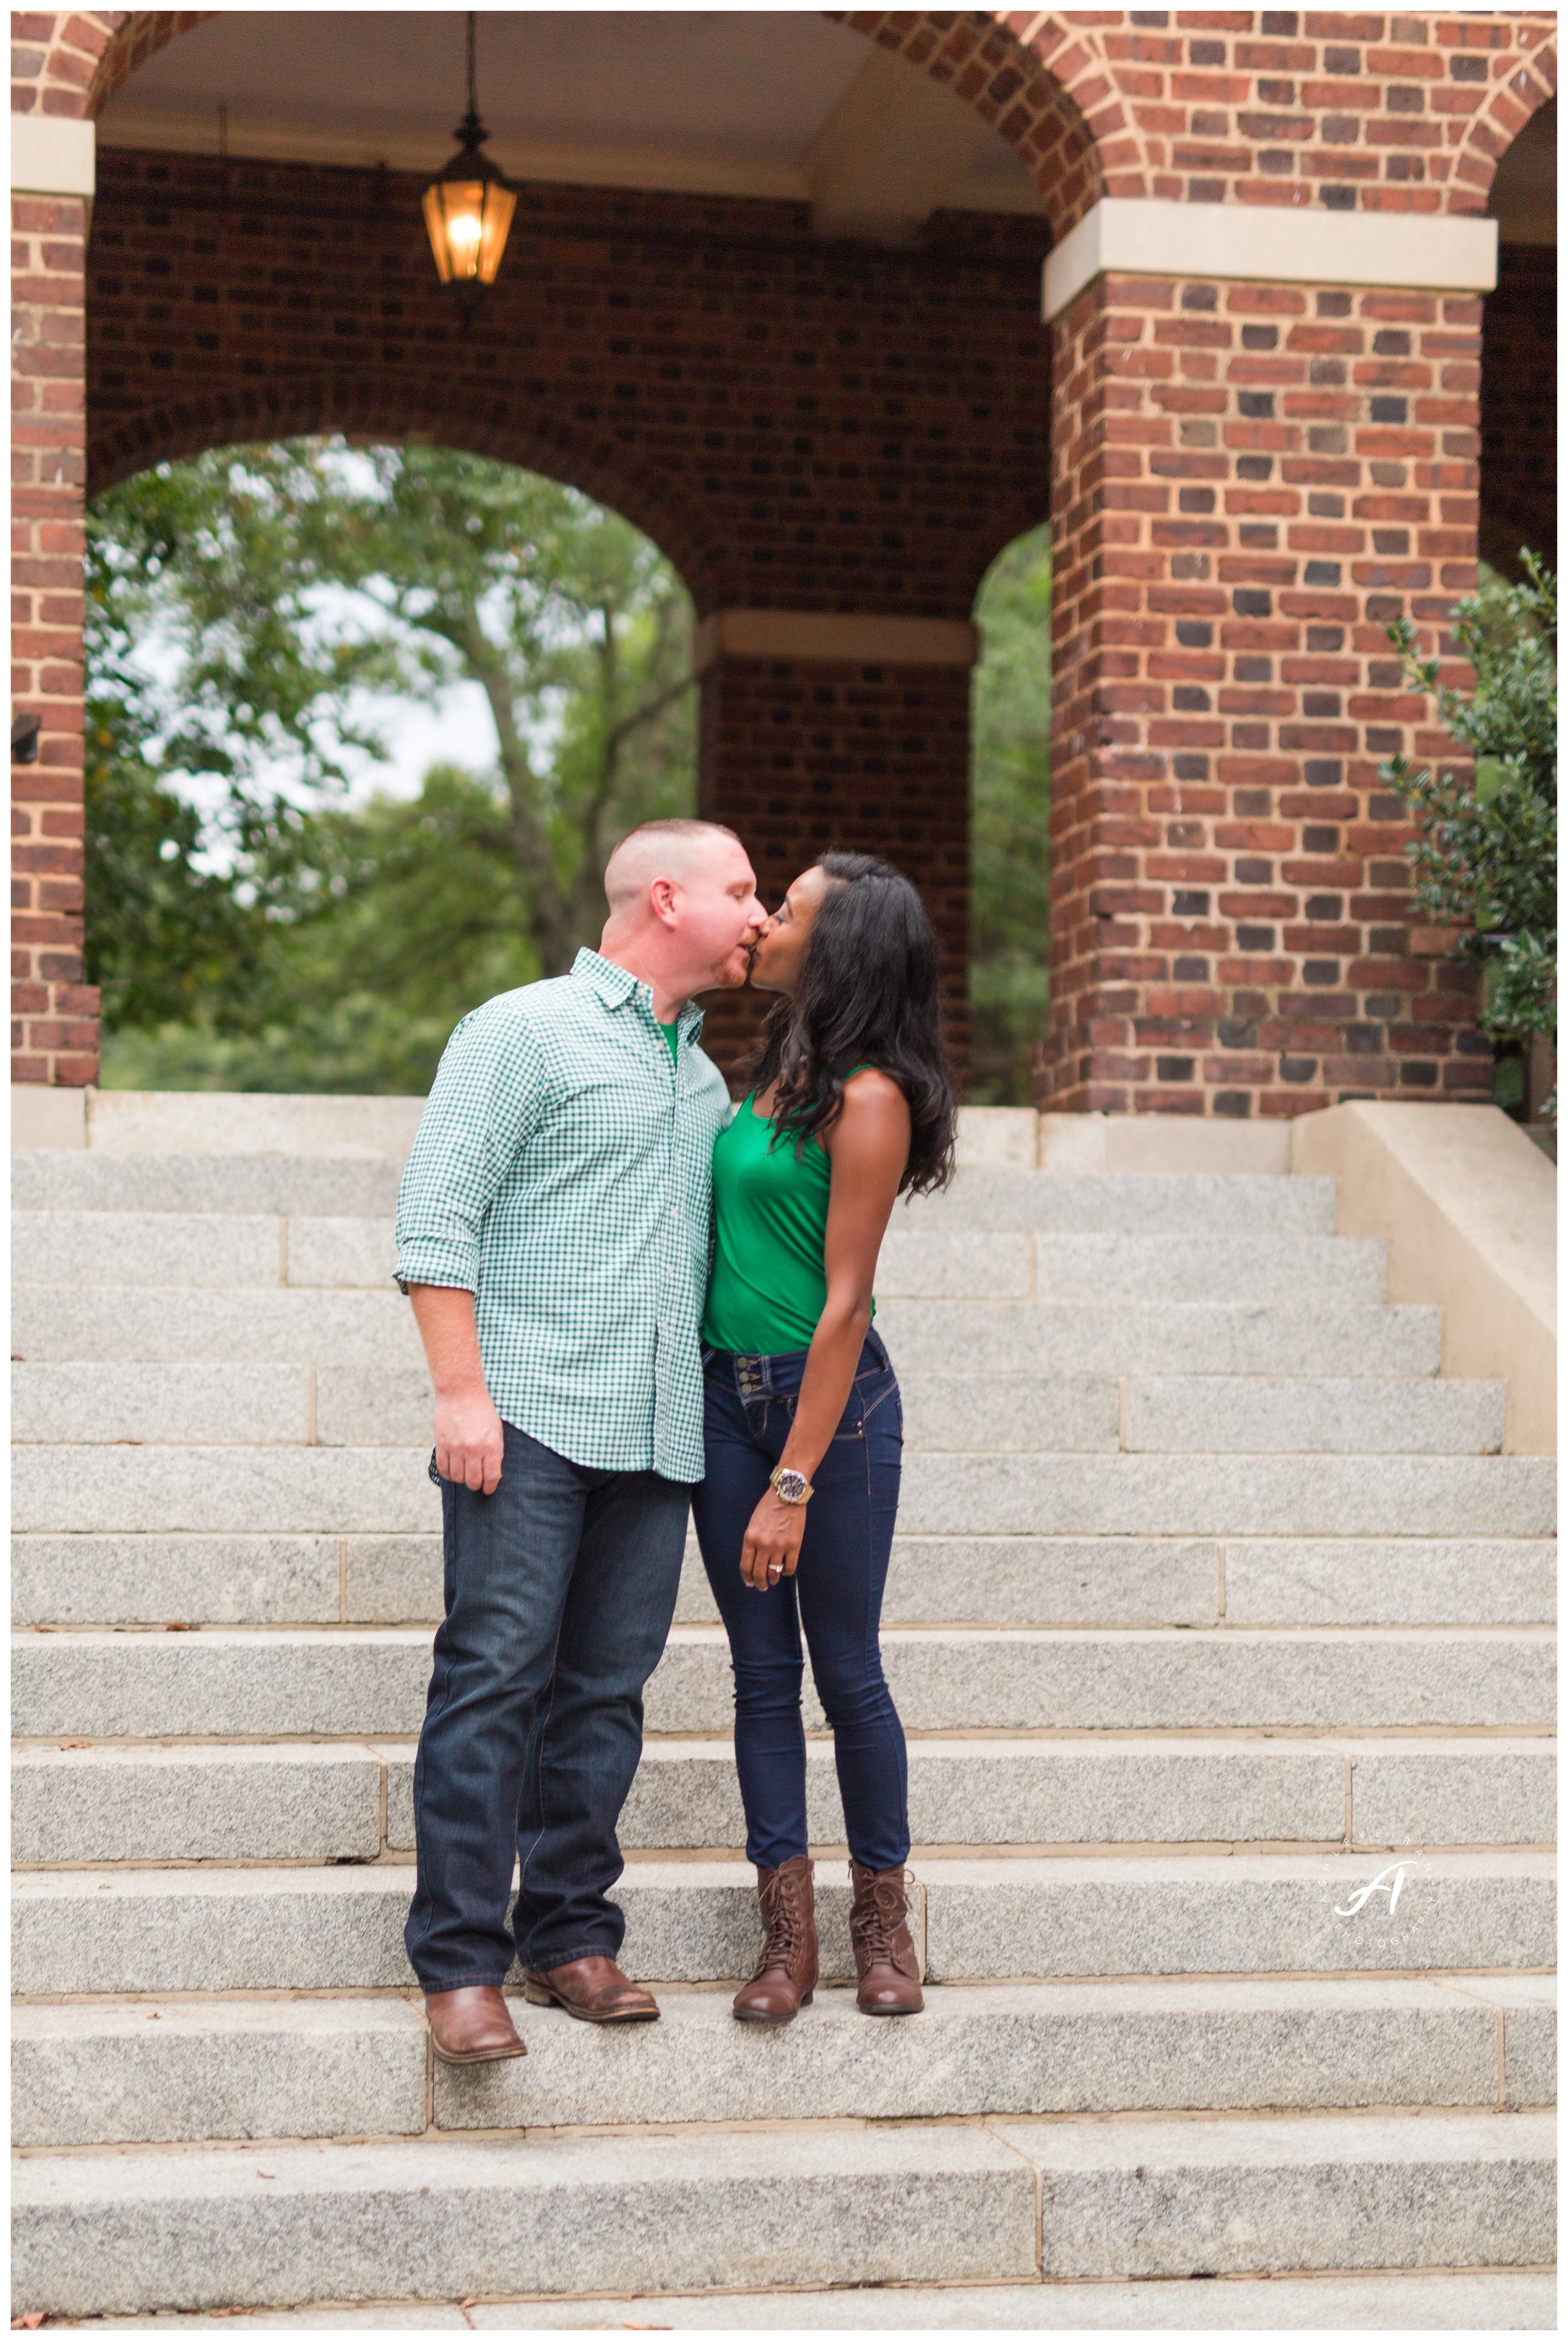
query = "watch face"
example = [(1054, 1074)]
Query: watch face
[(791, 1485)]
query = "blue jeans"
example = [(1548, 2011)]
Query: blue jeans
[(559, 1590), (835, 1594)]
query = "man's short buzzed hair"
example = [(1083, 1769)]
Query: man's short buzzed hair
[(631, 867)]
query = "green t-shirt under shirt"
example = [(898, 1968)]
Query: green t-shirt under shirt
[(671, 1032), (769, 1279)]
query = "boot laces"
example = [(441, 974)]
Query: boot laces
[(785, 1917), (880, 1918)]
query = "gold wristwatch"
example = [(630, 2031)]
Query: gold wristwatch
[(790, 1487)]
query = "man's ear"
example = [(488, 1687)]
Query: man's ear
[(664, 900)]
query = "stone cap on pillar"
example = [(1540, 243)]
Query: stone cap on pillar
[(832, 638), (1270, 243), (52, 155)]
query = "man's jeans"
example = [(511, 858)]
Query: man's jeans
[(559, 1590)]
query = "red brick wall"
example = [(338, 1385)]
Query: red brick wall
[(1251, 483), (55, 1031), (1519, 407), (807, 758), (1369, 110), (816, 427), (1365, 111), (799, 423)]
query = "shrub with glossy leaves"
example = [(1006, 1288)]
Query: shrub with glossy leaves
[(1486, 859)]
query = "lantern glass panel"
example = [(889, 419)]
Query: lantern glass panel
[(500, 203), (468, 221)]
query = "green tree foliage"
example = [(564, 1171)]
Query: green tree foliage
[(1486, 860), (283, 590), (165, 936), (254, 616), (1009, 822)]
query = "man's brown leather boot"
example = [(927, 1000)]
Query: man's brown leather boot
[(885, 1958), (472, 2025), (593, 1989), (785, 1975)]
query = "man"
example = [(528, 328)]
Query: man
[(552, 1235)]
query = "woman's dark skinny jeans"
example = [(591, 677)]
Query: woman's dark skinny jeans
[(836, 1594)]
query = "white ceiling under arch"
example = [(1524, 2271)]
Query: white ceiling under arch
[(768, 103)]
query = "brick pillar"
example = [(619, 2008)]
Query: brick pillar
[(854, 754), (1250, 480), (54, 1036)]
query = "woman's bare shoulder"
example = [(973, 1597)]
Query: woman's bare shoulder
[(874, 1107), (873, 1091)]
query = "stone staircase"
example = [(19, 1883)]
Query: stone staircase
[(1212, 1602)]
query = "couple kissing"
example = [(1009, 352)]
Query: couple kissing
[(638, 1300)]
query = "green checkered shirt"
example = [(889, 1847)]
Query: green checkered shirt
[(562, 1174)]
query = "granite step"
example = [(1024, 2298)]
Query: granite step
[(111, 2232), (1134, 1269), (998, 1919), (1311, 1335), (992, 1791), (344, 1800), (382, 1406), (327, 1187), (151, 1578), (1316, 1334), (143, 2072), (195, 1327), (121, 1250), (1143, 1204), (1447, 2301), (360, 1490), (279, 1186), (219, 1682)]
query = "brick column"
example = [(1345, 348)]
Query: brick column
[(861, 753), (1250, 480), (56, 1029)]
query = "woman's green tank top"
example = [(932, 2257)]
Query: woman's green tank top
[(770, 1281)]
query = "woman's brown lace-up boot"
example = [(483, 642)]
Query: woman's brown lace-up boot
[(885, 1958), (785, 1975)]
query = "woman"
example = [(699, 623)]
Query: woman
[(852, 1107)]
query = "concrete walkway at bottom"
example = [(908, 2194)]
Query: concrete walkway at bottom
[(1484, 2302)]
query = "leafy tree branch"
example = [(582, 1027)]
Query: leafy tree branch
[(1486, 859)]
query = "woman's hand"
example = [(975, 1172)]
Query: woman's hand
[(772, 1542)]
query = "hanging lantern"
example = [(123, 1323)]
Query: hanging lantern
[(468, 210)]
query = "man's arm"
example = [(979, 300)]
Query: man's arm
[(468, 1430), (486, 1097)]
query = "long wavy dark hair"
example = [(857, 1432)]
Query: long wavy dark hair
[(867, 995)]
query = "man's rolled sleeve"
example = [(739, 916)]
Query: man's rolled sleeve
[(487, 1097)]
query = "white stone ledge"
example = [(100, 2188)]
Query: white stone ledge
[(856, 639), (1162, 1143), (43, 1116), (1468, 1207), (1272, 244), (51, 155)]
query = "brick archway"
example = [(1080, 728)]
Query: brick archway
[(1048, 94), (505, 430), (1050, 97), (810, 428), (1410, 112), (1510, 101), (1252, 475), (1519, 344)]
